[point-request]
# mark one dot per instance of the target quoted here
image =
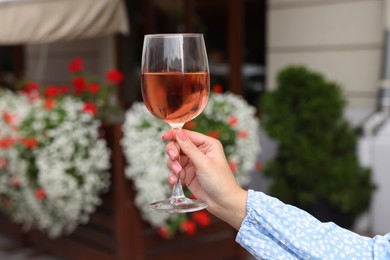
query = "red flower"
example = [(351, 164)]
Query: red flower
[(3, 163), (79, 84), (188, 227), (30, 87), (40, 194), (63, 89), (31, 90), (214, 134), (233, 121), (94, 88), (242, 134), (90, 108), (164, 232), (233, 166), (29, 142), (114, 76), (50, 103), (51, 91), (15, 182), (6, 142), (218, 88), (76, 65), (202, 218), (191, 125), (8, 117)]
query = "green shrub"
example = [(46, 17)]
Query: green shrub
[(316, 160)]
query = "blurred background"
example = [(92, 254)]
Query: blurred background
[(248, 43)]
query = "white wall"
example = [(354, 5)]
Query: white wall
[(342, 39), (48, 63)]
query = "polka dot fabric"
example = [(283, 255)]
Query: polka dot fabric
[(274, 230)]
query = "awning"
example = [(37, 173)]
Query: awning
[(42, 21)]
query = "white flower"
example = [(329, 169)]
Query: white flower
[(70, 164), (145, 154)]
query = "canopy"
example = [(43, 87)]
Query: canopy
[(42, 21)]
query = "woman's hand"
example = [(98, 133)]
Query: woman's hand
[(203, 167)]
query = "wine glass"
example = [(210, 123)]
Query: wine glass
[(175, 84)]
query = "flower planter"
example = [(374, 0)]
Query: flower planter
[(116, 230)]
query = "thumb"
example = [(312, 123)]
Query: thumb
[(190, 149)]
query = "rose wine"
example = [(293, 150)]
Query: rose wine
[(175, 97)]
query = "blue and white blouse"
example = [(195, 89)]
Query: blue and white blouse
[(274, 230)]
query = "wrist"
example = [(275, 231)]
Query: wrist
[(233, 210)]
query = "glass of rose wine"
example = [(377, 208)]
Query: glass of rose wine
[(175, 86)]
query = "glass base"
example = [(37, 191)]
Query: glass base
[(177, 205)]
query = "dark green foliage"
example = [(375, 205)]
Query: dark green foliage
[(317, 159)]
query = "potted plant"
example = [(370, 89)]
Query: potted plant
[(316, 167)]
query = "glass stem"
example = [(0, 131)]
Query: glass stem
[(177, 191)]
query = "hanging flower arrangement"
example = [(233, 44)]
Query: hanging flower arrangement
[(227, 117), (53, 166), (53, 163)]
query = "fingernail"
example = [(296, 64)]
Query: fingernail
[(172, 179), (176, 168), (172, 155), (163, 136), (182, 136)]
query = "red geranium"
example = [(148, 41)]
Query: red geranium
[(90, 108), (114, 76), (50, 103), (188, 227), (79, 84), (218, 88), (8, 117), (202, 218), (94, 88), (29, 142), (214, 134), (40, 194), (51, 92), (89, 89), (30, 87), (164, 232), (233, 121), (191, 125), (6, 142), (243, 134), (31, 90), (63, 89), (76, 65)]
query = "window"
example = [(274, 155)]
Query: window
[(11, 65), (234, 32)]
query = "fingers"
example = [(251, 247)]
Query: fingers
[(172, 150), (172, 178), (175, 167), (168, 135), (195, 137), (186, 140)]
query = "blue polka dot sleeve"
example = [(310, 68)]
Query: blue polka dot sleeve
[(274, 230)]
